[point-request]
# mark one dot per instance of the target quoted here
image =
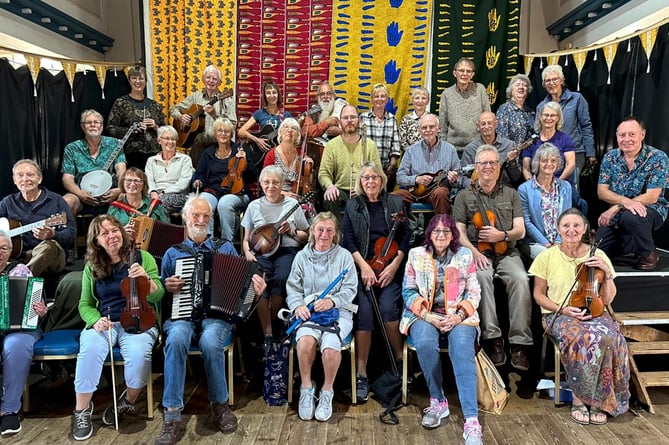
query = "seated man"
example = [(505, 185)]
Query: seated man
[(493, 244), (418, 173), (209, 333), (44, 246), (512, 173), (326, 124), (632, 179), (86, 155), (342, 159)]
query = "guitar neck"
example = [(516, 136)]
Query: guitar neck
[(287, 215), (119, 147), (23, 229)]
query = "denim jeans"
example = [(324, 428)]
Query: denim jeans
[(17, 356), (425, 337), (226, 207), (180, 334), (136, 350)]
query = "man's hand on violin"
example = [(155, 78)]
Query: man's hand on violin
[(490, 234), (174, 284)]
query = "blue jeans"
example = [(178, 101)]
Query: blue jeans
[(425, 338), (136, 350), (226, 208), (180, 334), (17, 356)]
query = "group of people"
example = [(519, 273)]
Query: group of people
[(522, 192)]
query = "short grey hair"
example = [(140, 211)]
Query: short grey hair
[(546, 150), (518, 78), (272, 171), (292, 123)]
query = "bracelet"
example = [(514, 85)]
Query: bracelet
[(461, 314)]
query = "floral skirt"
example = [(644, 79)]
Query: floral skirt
[(596, 361)]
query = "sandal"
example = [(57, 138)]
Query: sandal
[(582, 412), (596, 416)]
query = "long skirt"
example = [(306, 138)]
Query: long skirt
[(596, 361)]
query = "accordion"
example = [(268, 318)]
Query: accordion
[(216, 286), (155, 236), (18, 295)]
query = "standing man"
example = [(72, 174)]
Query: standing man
[(494, 249), (512, 173), (86, 155), (44, 246), (460, 106), (326, 124), (633, 179), (342, 159), (223, 107), (210, 332), (422, 161)]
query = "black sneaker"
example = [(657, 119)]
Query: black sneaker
[(122, 407), (362, 388), (10, 424), (82, 426)]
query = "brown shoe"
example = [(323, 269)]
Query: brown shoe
[(168, 434), (226, 421), (495, 350), (519, 359), (648, 262)]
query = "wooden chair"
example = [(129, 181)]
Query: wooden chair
[(409, 346), (556, 369), (118, 360)]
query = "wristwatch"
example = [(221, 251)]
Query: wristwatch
[(506, 236)]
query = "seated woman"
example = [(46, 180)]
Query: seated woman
[(134, 200), (409, 127), (314, 269), (368, 217), (544, 198), (592, 350), (169, 172), (271, 113), (107, 264), (17, 348), (215, 166), (276, 263), (441, 296)]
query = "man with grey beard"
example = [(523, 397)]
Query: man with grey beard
[(325, 125)]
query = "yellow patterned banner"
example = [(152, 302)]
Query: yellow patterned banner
[(101, 72), (33, 63), (648, 42), (70, 68)]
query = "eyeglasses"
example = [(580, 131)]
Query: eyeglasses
[(464, 71), (552, 80), (487, 163), (90, 123), (370, 178), (548, 161), (267, 183), (132, 181), (223, 131), (168, 139), (441, 232), (326, 94), (549, 115), (4, 249), (348, 118)]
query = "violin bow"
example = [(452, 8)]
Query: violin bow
[(111, 361)]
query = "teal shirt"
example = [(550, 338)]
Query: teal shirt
[(124, 217), (77, 160)]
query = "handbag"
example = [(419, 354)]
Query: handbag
[(387, 389), (490, 388), (275, 385)]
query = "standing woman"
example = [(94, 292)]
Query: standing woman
[(169, 172), (315, 268), (409, 126), (134, 193), (271, 113), (368, 218), (100, 307), (515, 120), (293, 233), (17, 348), (136, 107), (213, 168), (441, 297), (593, 351)]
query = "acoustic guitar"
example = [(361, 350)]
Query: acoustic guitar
[(265, 240), (186, 134), (14, 229), (270, 134)]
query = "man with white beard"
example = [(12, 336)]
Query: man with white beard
[(325, 125)]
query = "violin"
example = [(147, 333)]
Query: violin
[(138, 315), (234, 181), (305, 178), (385, 248), (586, 295), (486, 217)]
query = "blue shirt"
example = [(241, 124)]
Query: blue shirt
[(576, 118), (650, 172), (168, 263), (262, 117), (562, 141)]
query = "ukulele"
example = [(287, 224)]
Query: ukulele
[(385, 248), (186, 133), (14, 229), (265, 240)]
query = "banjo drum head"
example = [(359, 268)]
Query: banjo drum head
[(97, 183)]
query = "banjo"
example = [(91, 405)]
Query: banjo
[(98, 182)]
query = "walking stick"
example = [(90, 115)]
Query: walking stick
[(111, 359)]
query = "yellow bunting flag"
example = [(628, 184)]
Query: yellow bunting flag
[(609, 55), (648, 42), (33, 63), (528, 64), (101, 72), (69, 68), (579, 61)]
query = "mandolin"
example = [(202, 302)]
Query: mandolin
[(265, 240), (186, 134), (421, 191), (14, 229)]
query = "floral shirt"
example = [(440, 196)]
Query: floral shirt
[(409, 130), (550, 209), (650, 172), (77, 160), (515, 123)]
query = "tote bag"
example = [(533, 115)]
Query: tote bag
[(490, 388)]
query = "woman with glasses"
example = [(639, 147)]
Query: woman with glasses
[(370, 218), (214, 167), (409, 125), (136, 107), (544, 198), (515, 118), (441, 296), (169, 172), (134, 200), (293, 233)]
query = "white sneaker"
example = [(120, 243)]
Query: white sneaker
[(435, 413), (324, 409), (473, 433), (305, 407)]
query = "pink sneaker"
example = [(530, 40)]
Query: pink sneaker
[(434, 413), (473, 434)]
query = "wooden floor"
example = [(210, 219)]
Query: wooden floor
[(533, 421)]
